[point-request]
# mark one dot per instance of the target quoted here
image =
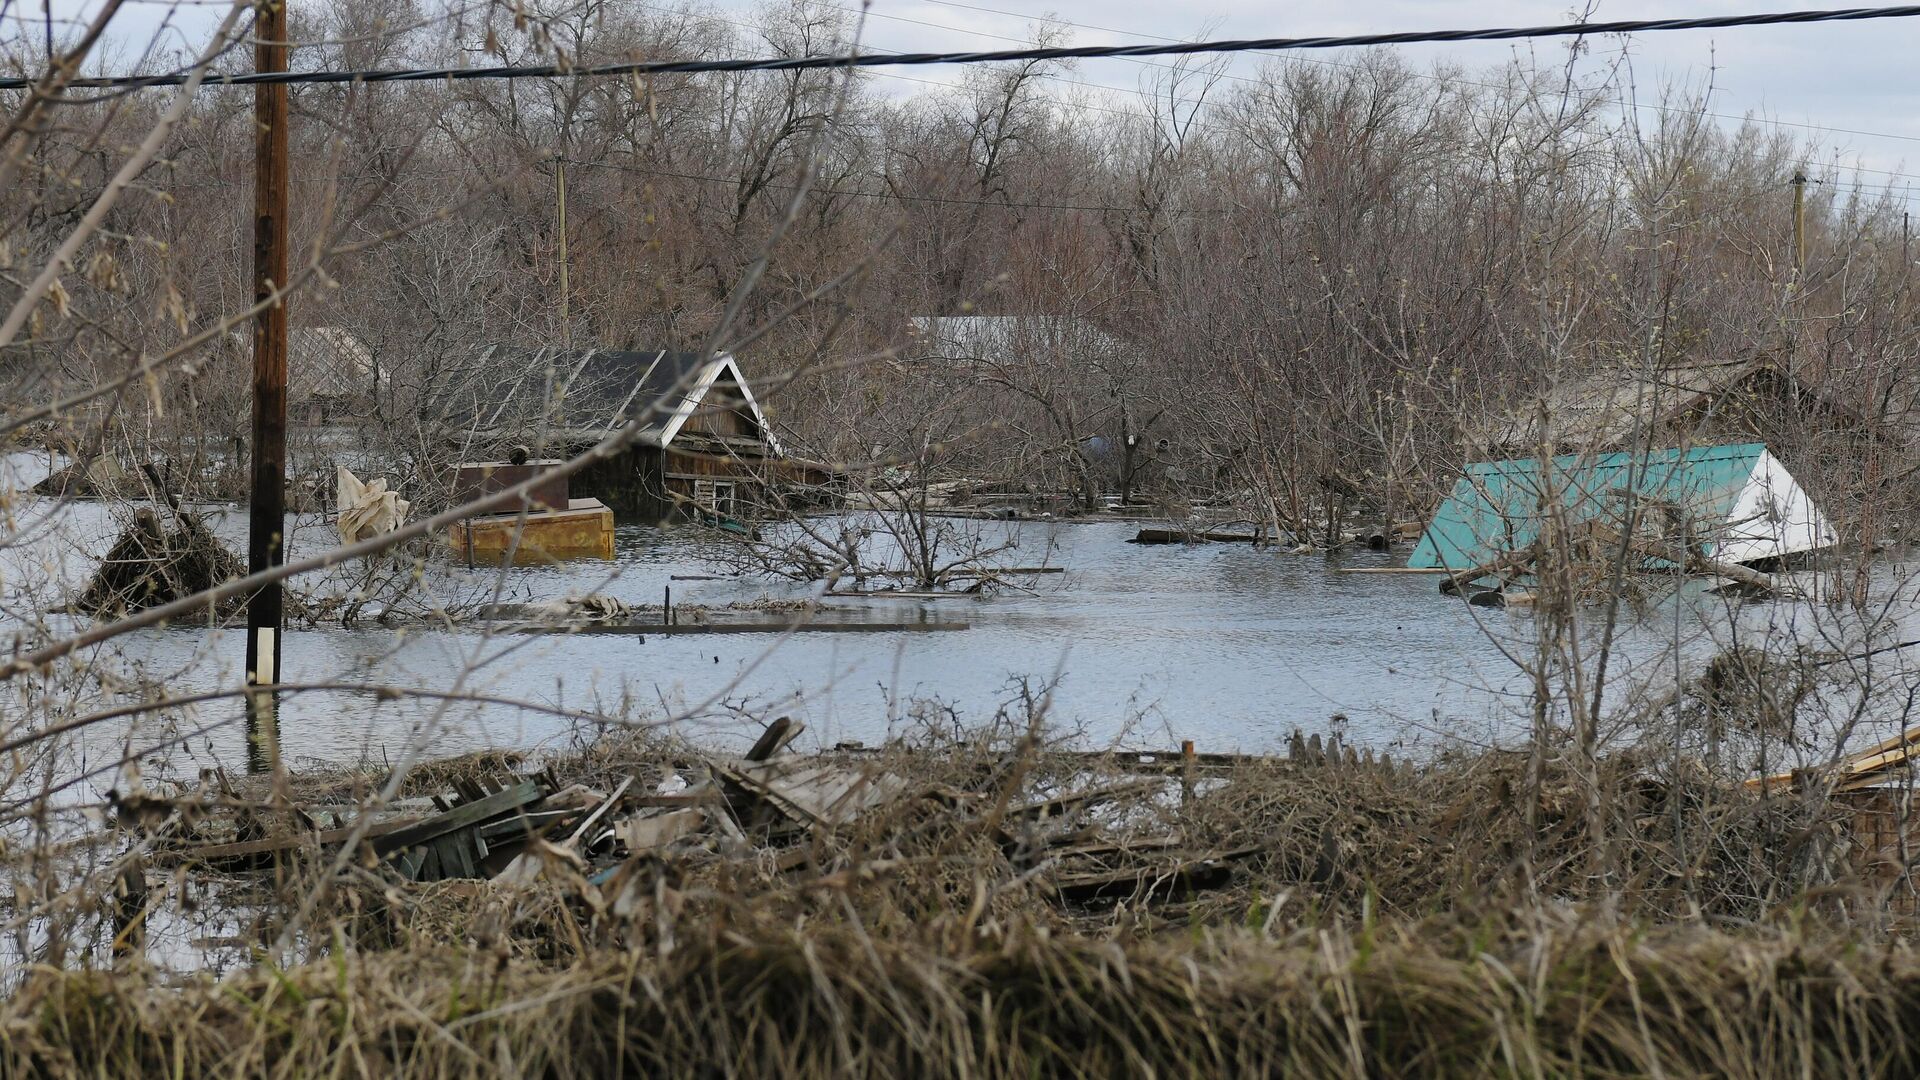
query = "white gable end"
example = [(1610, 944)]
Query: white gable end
[(1773, 516)]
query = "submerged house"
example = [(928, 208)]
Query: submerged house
[(1676, 404), (333, 375), (1734, 504), (705, 449)]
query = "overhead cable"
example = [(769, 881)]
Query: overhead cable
[(1084, 52)]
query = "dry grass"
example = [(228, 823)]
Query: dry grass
[(1706, 931), (1521, 996)]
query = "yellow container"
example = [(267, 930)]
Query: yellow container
[(584, 530)]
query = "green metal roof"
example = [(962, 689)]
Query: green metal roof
[(1498, 506)]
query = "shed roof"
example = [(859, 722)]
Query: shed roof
[(1604, 409), (1737, 498), (585, 394)]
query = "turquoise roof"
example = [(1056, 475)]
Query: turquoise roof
[(1497, 505)]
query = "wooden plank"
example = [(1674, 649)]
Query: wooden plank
[(599, 812), (456, 859), (676, 800), (520, 826), (778, 734), (460, 817), (1192, 536), (216, 853), (1120, 847), (1857, 771)]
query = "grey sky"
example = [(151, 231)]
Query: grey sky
[(1845, 79), (1855, 82)]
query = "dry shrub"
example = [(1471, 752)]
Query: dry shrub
[(440, 775), (1457, 832), (1352, 938), (530, 922), (1460, 832)]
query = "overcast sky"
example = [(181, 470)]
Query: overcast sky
[(1855, 83)]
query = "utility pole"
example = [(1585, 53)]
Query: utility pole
[(1799, 225), (560, 212), (266, 514)]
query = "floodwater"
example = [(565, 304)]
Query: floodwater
[(1231, 647)]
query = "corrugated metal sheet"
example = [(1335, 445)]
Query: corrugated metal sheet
[(1733, 497)]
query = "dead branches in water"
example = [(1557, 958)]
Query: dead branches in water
[(150, 565)]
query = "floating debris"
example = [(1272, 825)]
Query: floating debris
[(366, 508)]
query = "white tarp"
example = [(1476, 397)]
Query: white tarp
[(367, 509)]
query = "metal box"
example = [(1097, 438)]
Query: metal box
[(478, 479)]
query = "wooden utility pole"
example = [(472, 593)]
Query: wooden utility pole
[(266, 516), (1799, 225), (560, 227)]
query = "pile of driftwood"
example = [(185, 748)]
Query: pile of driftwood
[(150, 565), (1070, 840)]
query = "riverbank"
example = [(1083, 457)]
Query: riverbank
[(1010, 908)]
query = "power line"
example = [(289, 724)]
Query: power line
[(1593, 28), (1444, 80), (1087, 52), (1898, 190)]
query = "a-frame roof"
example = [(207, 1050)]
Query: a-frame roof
[(584, 395)]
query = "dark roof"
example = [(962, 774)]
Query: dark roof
[(1605, 409), (511, 391)]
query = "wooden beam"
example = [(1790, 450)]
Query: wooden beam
[(219, 853), (460, 817)]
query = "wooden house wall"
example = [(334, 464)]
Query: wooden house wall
[(723, 411), (650, 484), (1877, 818), (647, 484), (630, 483)]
